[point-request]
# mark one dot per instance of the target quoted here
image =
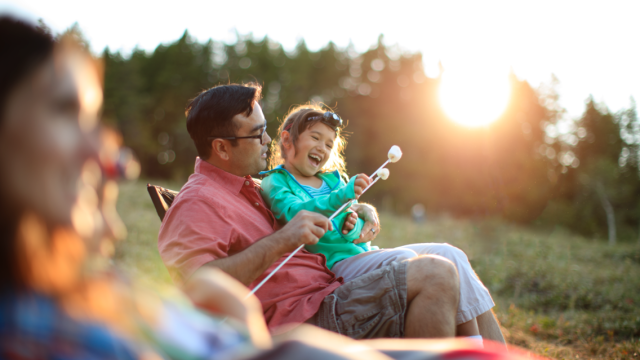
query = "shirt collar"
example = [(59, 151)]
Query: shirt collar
[(232, 183)]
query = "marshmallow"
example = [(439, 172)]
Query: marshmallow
[(383, 173), (394, 153)]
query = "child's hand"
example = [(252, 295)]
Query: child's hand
[(362, 181), (349, 223)]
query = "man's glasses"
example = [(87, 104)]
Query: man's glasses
[(328, 118), (260, 136)]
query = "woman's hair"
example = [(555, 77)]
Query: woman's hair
[(296, 122), (24, 47)]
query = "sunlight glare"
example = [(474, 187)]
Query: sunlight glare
[(474, 97)]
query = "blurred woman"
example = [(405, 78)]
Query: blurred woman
[(58, 221)]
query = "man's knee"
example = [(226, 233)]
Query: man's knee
[(435, 274)]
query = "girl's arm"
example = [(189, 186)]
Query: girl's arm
[(285, 204)]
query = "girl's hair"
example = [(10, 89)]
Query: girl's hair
[(296, 122)]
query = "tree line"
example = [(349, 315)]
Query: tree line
[(531, 165)]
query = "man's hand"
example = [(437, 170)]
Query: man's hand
[(305, 228), (371, 226), (361, 183), (246, 266)]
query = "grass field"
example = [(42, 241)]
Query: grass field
[(557, 294)]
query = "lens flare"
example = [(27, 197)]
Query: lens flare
[(474, 98)]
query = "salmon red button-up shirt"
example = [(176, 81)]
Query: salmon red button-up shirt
[(218, 214)]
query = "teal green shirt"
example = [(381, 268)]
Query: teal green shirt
[(286, 197)]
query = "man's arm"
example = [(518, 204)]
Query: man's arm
[(305, 228)]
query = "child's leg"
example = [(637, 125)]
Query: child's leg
[(366, 262), (474, 296)]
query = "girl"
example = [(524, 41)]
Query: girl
[(311, 178), (307, 174)]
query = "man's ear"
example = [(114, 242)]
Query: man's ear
[(220, 149)]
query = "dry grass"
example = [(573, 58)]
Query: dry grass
[(558, 294)]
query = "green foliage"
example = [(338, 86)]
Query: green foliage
[(607, 153), (513, 168), (383, 93)]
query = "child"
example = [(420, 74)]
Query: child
[(311, 178), (308, 176)]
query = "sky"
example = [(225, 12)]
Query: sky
[(592, 47)]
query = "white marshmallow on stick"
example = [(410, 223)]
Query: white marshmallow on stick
[(394, 153), (383, 174)]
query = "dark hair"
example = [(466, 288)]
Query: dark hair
[(211, 113), (24, 47)]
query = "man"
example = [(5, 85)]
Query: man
[(219, 220)]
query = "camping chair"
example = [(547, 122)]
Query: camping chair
[(162, 198)]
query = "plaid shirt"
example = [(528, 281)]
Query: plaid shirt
[(32, 326)]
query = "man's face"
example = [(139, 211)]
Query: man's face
[(249, 157)]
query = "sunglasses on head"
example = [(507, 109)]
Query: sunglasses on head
[(328, 118)]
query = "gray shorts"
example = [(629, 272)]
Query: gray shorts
[(370, 306)]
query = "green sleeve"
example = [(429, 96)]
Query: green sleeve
[(285, 204), (354, 234)]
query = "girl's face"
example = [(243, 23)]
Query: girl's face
[(312, 150)]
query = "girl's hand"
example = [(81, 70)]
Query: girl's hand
[(349, 223), (362, 181)]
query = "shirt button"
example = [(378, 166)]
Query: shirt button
[(246, 183), (256, 204)]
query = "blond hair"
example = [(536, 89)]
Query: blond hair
[(296, 123)]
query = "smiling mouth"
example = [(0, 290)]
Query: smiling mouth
[(315, 160)]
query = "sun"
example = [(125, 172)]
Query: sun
[(474, 98)]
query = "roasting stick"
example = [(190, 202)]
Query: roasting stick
[(394, 155), (380, 175)]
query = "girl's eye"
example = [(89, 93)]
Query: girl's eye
[(315, 138), (330, 146)]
